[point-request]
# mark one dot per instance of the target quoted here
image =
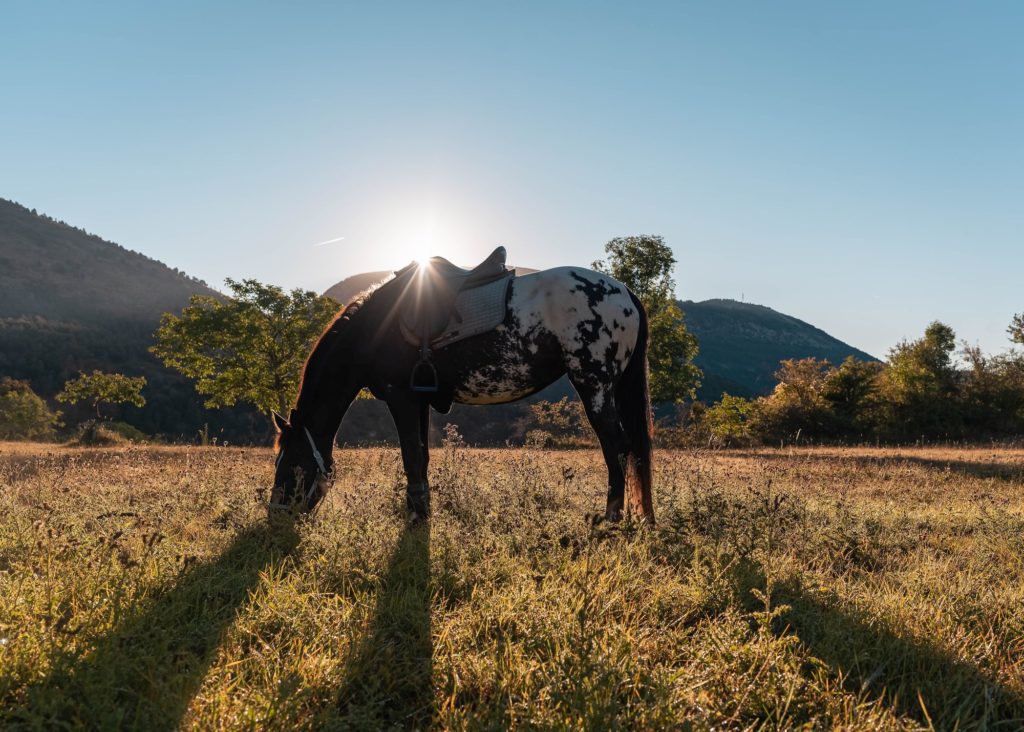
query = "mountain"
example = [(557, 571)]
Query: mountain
[(349, 287), (741, 345), (71, 301)]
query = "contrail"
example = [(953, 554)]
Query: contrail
[(329, 241)]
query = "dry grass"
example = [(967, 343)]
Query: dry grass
[(142, 588)]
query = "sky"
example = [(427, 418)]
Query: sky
[(857, 165)]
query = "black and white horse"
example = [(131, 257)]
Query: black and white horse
[(566, 320)]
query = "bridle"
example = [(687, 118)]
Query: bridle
[(321, 471)]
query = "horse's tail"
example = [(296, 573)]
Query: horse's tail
[(633, 399)]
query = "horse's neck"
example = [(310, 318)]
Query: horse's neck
[(324, 399), (323, 417)]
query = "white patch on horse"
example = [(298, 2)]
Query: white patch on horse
[(587, 312)]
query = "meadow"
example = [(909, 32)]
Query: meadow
[(860, 589)]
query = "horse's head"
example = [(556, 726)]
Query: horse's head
[(302, 473)]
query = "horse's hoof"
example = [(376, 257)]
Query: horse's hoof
[(613, 514)]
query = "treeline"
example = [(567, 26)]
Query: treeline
[(926, 390)]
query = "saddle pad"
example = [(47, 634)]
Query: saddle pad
[(476, 311)]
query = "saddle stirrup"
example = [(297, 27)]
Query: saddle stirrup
[(424, 368)]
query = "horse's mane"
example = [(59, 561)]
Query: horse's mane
[(339, 331)]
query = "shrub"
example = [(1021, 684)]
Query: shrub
[(23, 413)]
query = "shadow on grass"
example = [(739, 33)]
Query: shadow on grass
[(972, 469), (915, 678), (144, 673), (388, 675)]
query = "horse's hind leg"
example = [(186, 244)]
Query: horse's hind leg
[(604, 418)]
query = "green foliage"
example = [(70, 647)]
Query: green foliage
[(71, 302), (730, 421), (919, 386), (94, 433), (1016, 329), (250, 348), (991, 394), (644, 264), (850, 391), (23, 414), (920, 393), (557, 424), (102, 388), (797, 405)]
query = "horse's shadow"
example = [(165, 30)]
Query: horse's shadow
[(985, 469), (145, 671), (914, 677), (387, 680)]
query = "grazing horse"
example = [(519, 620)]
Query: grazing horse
[(566, 320)]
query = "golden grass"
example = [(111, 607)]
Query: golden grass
[(143, 588)]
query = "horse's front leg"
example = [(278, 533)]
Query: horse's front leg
[(411, 415)]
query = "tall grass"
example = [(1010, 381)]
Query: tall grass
[(143, 588)]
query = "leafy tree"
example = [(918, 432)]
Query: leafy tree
[(919, 387), (23, 414), (103, 388), (730, 420), (644, 264), (851, 392), (992, 393), (797, 404), (562, 423), (250, 348), (1016, 329)]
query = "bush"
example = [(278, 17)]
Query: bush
[(96, 434), (23, 413)]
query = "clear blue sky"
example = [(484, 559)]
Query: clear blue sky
[(858, 165)]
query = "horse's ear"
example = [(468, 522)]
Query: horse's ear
[(291, 417), (280, 422)]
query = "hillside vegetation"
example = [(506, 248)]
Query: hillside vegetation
[(71, 302), (854, 589), (741, 345)]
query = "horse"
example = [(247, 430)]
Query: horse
[(566, 320)]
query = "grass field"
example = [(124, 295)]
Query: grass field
[(143, 588)]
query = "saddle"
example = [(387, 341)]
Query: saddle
[(438, 296)]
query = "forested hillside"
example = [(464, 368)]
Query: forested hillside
[(741, 345), (71, 301)]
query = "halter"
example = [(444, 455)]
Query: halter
[(322, 467), (321, 470)]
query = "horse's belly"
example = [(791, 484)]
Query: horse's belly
[(500, 366), (494, 394), (504, 380)]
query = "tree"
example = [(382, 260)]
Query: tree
[(1016, 329), (919, 387), (250, 348), (103, 388), (851, 392), (23, 413), (731, 419), (644, 264)]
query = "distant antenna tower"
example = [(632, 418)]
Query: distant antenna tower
[(743, 297)]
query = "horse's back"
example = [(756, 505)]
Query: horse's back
[(563, 320), (584, 309)]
